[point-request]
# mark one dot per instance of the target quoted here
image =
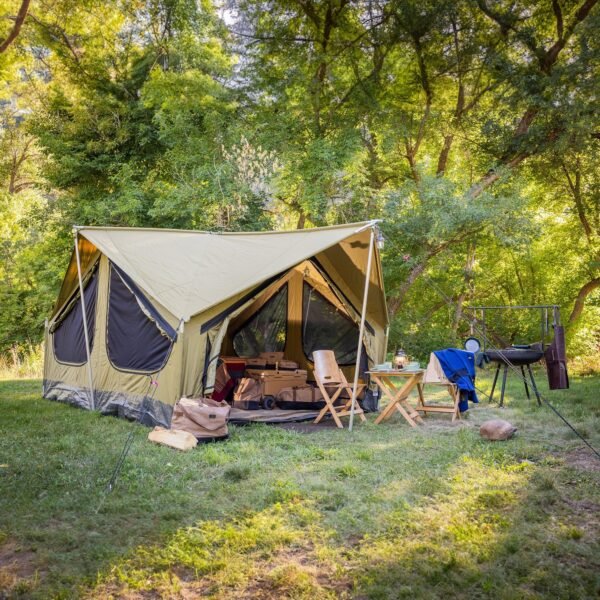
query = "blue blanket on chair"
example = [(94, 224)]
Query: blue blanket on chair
[(459, 368)]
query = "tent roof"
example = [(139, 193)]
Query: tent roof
[(191, 271)]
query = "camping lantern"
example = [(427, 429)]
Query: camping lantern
[(400, 359)]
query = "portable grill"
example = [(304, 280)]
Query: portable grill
[(524, 355)]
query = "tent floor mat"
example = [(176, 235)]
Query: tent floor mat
[(238, 416)]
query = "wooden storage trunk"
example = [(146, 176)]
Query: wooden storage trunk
[(273, 381), (235, 366), (256, 363), (271, 357)]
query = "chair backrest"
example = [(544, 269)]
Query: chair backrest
[(434, 372), (326, 367)]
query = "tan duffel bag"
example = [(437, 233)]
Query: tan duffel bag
[(301, 397), (248, 394), (204, 418)]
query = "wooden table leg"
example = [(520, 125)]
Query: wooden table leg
[(397, 397), (408, 416), (408, 412), (421, 398)]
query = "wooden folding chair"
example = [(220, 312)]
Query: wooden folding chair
[(434, 375), (332, 382)]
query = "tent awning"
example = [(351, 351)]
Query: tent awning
[(191, 271)]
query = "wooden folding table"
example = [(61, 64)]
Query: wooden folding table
[(397, 395)]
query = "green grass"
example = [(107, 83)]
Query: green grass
[(383, 512)]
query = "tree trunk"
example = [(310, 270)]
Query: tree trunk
[(575, 187), (445, 152), (395, 301), (584, 292)]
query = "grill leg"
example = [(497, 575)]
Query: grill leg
[(525, 382), (494, 384), (537, 394), (503, 385)]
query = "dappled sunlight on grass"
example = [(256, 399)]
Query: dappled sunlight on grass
[(383, 512), (239, 557), (445, 536)]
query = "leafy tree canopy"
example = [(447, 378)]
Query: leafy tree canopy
[(469, 127)]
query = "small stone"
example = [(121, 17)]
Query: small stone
[(497, 430)]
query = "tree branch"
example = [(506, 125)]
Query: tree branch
[(395, 301), (552, 54), (584, 292), (575, 187), (506, 23), (559, 18), (14, 32), (547, 60)]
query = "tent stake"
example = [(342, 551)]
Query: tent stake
[(362, 328), (85, 325)]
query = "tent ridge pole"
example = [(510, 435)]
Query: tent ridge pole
[(362, 326), (85, 324)]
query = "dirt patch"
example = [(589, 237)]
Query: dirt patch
[(290, 573), (295, 573), (17, 568), (583, 458)]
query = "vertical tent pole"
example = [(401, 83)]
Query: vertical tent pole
[(85, 325), (362, 327), (387, 339)]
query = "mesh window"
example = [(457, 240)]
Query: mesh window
[(133, 341), (68, 338), (265, 331), (324, 327)]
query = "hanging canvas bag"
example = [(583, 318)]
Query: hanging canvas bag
[(204, 418)]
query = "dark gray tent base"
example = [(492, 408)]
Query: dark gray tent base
[(151, 412), (238, 416), (144, 409)]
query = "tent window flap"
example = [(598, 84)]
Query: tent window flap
[(135, 341), (324, 327), (265, 331), (68, 338), (146, 305)]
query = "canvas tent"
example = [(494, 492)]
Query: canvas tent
[(160, 306)]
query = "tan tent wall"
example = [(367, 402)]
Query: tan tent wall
[(131, 394), (194, 341), (116, 392), (88, 255), (295, 279), (345, 264)]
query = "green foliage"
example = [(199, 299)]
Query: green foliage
[(470, 128)]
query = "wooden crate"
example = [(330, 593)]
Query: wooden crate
[(273, 381), (256, 363), (271, 357)]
